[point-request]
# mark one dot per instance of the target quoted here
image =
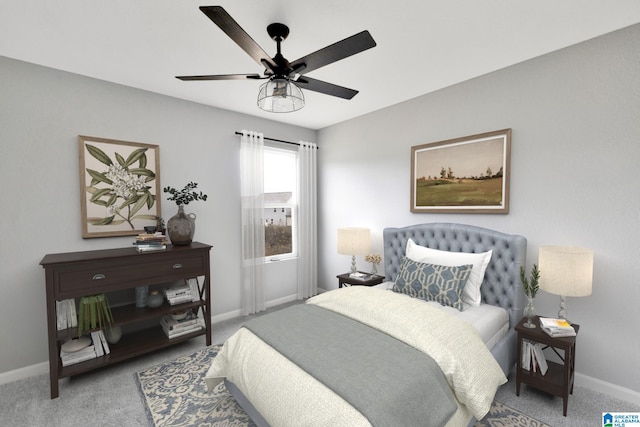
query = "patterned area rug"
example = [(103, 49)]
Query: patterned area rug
[(175, 394)]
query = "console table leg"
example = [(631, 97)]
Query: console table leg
[(54, 387)]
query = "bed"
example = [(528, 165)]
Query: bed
[(350, 356)]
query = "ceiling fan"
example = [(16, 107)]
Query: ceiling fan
[(281, 93)]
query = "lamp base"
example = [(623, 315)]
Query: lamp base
[(562, 314), (354, 269)]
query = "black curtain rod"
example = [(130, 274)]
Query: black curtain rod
[(276, 140)]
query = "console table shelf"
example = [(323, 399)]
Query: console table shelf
[(131, 345), (77, 274)]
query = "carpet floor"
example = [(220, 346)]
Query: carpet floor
[(175, 395)]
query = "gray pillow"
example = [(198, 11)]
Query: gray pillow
[(431, 282)]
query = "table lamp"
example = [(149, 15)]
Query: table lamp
[(354, 241), (566, 271)]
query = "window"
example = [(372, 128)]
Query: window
[(280, 183)]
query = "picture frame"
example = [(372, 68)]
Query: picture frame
[(462, 175), (119, 186)]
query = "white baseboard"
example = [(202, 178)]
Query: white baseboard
[(614, 390), (237, 313), (26, 372)]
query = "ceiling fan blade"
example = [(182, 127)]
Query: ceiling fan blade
[(335, 52), (327, 88), (223, 77), (222, 19)]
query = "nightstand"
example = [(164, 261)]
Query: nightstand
[(370, 280), (558, 380)]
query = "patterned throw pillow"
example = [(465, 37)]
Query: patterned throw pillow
[(430, 282)]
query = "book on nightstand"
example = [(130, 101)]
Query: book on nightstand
[(557, 328), (533, 358)]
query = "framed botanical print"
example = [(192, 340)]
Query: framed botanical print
[(119, 186)]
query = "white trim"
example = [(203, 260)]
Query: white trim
[(610, 389), (236, 313), (26, 372)]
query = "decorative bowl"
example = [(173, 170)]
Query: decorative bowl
[(179, 315)]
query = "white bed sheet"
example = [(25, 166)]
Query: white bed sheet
[(491, 322)]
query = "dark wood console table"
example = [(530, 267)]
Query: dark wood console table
[(77, 274)]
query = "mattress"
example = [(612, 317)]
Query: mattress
[(491, 322)]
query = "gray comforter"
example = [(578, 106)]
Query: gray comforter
[(358, 362)]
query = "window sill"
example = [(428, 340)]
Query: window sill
[(280, 259)]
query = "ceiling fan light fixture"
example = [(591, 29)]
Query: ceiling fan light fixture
[(280, 95)]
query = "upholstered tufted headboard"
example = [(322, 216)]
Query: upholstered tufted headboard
[(501, 285)]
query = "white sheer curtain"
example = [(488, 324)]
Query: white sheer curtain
[(307, 221), (252, 196)]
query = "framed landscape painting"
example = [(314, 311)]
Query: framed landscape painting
[(462, 175), (119, 186)]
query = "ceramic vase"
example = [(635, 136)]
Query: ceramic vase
[(155, 299), (113, 334), (142, 292), (181, 227)]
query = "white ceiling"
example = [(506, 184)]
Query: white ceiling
[(423, 45)]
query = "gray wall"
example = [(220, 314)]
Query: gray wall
[(575, 116), (41, 113)]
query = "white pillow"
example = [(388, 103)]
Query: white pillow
[(471, 292)]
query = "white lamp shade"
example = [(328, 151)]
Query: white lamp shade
[(354, 241), (566, 270)]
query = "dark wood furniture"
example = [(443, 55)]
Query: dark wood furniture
[(370, 280), (76, 274), (559, 378)]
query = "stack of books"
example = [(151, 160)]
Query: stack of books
[(557, 327), (84, 348), (77, 350), (66, 316), (174, 328), (100, 343), (150, 242), (533, 358), (72, 358), (178, 294)]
